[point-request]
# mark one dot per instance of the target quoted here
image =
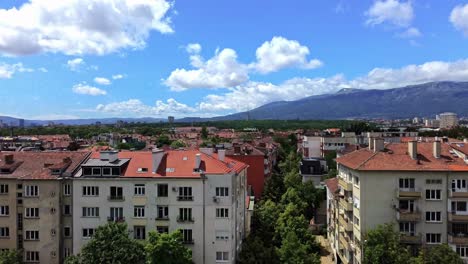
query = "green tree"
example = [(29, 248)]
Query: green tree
[(167, 249), (73, 146), (163, 140), (10, 256), (254, 250), (178, 144), (111, 244), (204, 132), (266, 214), (330, 159), (438, 254), (292, 179), (292, 251), (274, 188)]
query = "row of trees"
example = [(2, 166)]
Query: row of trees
[(280, 229)]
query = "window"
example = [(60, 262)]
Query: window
[(222, 191), (4, 210), (163, 212), (139, 211), (222, 235), (4, 232), (67, 189), (90, 191), (66, 252), (31, 212), (187, 236), (116, 193), (163, 190), (222, 212), (432, 238), (31, 235), (88, 232), (459, 206), (86, 171), (31, 191), (19, 186), (407, 183), (407, 228), (356, 180), (67, 231), (139, 232), (462, 251), (222, 256), (433, 194), (356, 220), (90, 211), (185, 214), (116, 213), (185, 194), (406, 206), (67, 209), (96, 171), (434, 181), (459, 185), (3, 188), (162, 229), (139, 189), (32, 256), (356, 202), (106, 171), (433, 217)]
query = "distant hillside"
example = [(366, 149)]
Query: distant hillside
[(14, 121)]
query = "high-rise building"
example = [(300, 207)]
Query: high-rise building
[(448, 120), (21, 123), (170, 119)]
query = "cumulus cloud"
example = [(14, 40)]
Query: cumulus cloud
[(280, 53), (394, 12), (459, 18), (193, 48), (75, 64), (117, 76), (8, 70), (77, 27), (138, 108), (102, 81), (83, 88), (411, 32)]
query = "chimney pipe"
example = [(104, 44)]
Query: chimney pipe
[(465, 140), (197, 160), (379, 144), (221, 154), (413, 149), (437, 149), (371, 143), (156, 156)]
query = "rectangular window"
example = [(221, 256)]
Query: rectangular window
[(96, 171), (32, 256), (67, 209), (162, 229), (3, 188), (106, 172), (356, 220), (90, 211), (31, 212), (222, 212), (432, 238), (31, 235), (356, 180), (4, 210), (4, 232), (90, 191), (67, 189), (116, 193), (139, 211), (139, 190), (462, 251), (459, 206), (433, 217), (163, 190), (222, 191), (222, 235), (67, 231), (66, 252), (185, 214), (116, 213), (139, 232), (433, 194), (163, 212), (407, 183), (187, 236), (31, 191), (185, 194), (88, 232), (86, 171), (407, 228), (222, 256)]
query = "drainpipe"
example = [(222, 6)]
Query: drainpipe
[(203, 177)]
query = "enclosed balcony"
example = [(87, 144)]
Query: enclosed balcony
[(408, 216), (347, 225), (347, 186), (457, 193), (455, 216), (410, 238), (408, 193), (345, 204)]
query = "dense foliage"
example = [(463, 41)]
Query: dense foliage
[(10, 257)]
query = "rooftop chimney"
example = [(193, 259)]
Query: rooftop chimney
[(221, 154), (110, 156), (413, 149), (197, 161), (371, 143), (208, 151), (437, 149), (379, 144), (465, 140), (157, 156)]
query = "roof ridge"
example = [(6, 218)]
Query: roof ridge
[(373, 155)]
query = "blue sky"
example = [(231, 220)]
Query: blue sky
[(122, 58)]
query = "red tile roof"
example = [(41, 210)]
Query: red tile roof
[(396, 158), (332, 184)]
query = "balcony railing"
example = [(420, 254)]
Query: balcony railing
[(454, 217), (459, 238), (408, 193), (408, 216), (116, 198), (115, 219), (458, 194), (185, 219), (344, 242), (346, 205), (347, 225), (164, 218), (408, 238), (348, 186), (184, 198)]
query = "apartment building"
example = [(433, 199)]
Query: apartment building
[(35, 204), (422, 187), (203, 195), (448, 120)]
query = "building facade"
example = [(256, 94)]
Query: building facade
[(448, 120)]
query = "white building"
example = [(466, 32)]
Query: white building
[(202, 195), (448, 120)]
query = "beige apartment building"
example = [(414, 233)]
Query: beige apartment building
[(420, 187), (448, 120)]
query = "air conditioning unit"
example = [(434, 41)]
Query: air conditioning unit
[(174, 189), (215, 199)]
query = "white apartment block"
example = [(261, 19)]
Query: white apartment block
[(448, 120), (202, 195), (421, 187)]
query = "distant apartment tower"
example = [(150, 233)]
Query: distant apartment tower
[(448, 120), (422, 187), (170, 119), (21, 123)]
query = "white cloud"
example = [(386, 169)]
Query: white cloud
[(459, 18), (102, 81), (221, 71), (280, 53), (83, 88), (411, 32), (8, 70), (77, 27), (135, 107), (75, 64), (394, 12), (117, 76), (193, 48)]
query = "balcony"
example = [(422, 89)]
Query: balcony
[(347, 206), (344, 242), (184, 198), (185, 219), (408, 193), (459, 239), (116, 198), (409, 216), (347, 225), (457, 194), (410, 238), (162, 218), (115, 219), (454, 217), (347, 186)]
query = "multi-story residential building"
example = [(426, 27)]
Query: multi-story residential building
[(331, 187), (35, 204), (448, 120), (203, 195), (420, 186)]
